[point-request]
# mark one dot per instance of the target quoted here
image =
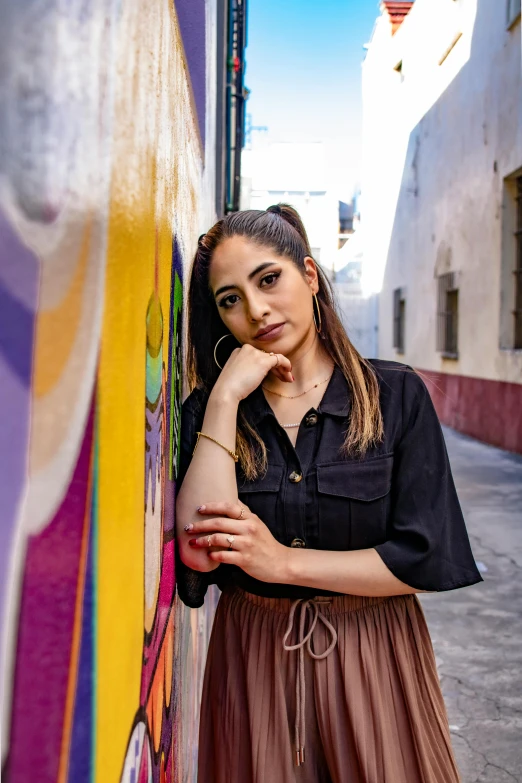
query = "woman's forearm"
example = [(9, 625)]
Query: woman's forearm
[(358, 572), (211, 474)]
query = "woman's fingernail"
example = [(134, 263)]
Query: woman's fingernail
[(187, 528), (193, 542), (293, 378), (201, 508)]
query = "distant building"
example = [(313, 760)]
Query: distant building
[(442, 210), (345, 222), (295, 173), (358, 308)]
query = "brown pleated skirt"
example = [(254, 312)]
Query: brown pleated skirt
[(369, 711)]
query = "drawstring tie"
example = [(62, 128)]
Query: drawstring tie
[(307, 605)]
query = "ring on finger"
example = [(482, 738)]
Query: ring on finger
[(209, 540), (276, 356), (242, 513), (230, 540)]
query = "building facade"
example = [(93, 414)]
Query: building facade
[(117, 132), (442, 196)]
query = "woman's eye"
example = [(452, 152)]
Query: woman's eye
[(225, 302), (271, 278)]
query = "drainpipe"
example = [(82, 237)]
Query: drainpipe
[(236, 95)]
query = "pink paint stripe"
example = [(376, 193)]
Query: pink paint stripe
[(45, 633)]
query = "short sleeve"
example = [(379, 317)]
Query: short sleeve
[(427, 546), (191, 585)]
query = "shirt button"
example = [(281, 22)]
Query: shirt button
[(311, 420), (298, 543), (295, 477)]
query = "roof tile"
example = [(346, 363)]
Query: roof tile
[(397, 11)]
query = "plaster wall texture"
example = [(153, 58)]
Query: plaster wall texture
[(106, 180), (442, 131)]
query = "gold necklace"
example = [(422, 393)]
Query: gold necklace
[(295, 396)]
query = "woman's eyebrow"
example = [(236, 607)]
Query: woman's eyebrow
[(252, 274)]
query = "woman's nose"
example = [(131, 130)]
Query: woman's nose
[(257, 308)]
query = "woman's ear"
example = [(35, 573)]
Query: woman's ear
[(311, 274)]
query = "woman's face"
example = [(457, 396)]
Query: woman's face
[(254, 288)]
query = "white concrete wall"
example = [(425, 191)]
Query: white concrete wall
[(439, 140)]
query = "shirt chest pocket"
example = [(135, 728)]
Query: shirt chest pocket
[(354, 503), (262, 495)]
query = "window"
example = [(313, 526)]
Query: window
[(511, 267), (399, 318), (448, 316), (398, 69), (513, 8), (517, 272)]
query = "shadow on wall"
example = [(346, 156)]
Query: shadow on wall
[(448, 221), (101, 161)]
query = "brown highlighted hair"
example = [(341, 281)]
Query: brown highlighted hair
[(279, 228)]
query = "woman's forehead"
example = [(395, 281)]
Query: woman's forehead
[(240, 256)]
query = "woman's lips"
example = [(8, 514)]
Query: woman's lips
[(272, 334)]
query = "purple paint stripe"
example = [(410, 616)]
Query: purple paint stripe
[(45, 633), (16, 333), (80, 759), (19, 285), (191, 17)]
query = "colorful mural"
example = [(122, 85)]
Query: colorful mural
[(101, 169)]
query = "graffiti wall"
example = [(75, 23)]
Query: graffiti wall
[(104, 188)]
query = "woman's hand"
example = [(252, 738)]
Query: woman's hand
[(246, 368), (254, 549)]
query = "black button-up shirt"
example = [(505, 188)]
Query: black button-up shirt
[(399, 498)]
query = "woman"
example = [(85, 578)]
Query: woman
[(316, 492)]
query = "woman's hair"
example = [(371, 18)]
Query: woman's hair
[(279, 228)]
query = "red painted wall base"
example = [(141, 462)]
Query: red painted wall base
[(490, 411)]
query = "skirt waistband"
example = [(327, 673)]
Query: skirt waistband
[(330, 604)]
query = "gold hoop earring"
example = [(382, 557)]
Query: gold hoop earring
[(216, 345), (317, 328)]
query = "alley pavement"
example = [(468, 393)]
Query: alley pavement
[(477, 631)]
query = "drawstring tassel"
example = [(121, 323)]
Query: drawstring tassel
[(300, 692)]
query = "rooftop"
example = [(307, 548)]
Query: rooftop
[(397, 11)]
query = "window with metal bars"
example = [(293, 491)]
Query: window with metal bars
[(518, 268), (399, 319), (448, 315)]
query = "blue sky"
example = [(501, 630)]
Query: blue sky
[(304, 72)]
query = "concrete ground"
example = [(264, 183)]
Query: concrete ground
[(477, 631)]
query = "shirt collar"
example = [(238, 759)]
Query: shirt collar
[(335, 401)]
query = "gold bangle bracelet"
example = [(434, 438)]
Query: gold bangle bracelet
[(232, 453)]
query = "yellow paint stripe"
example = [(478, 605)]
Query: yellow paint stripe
[(56, 329)]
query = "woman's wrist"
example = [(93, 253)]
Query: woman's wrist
[(222, 396), (283, 566), (290, 567)]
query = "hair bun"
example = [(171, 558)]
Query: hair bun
[(275, 209)]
